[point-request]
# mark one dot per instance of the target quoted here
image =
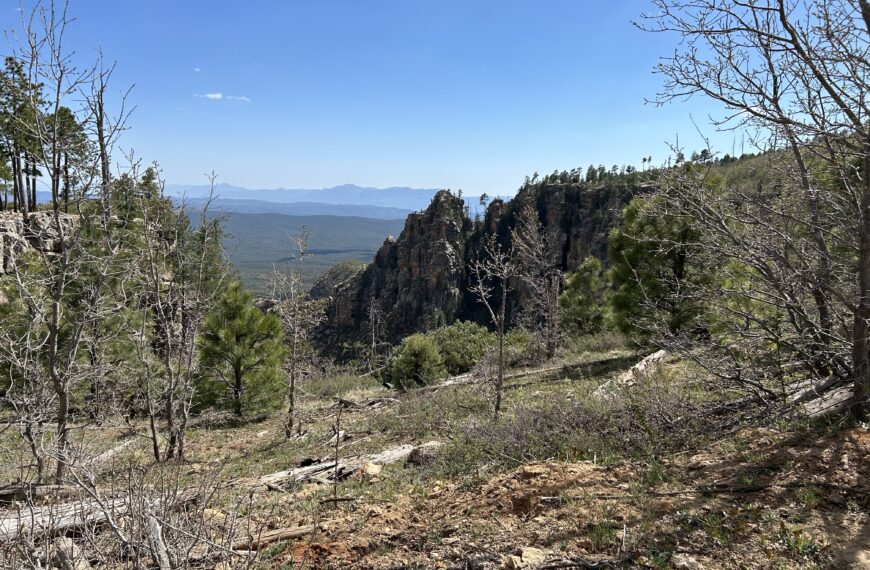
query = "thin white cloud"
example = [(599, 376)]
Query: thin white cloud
[(218, 96), (196, 69)]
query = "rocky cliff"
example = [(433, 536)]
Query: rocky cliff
[(38, 232), (420, 280)]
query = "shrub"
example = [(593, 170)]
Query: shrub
[(417, 361), (523, 348), (461, 345), (636, 422)]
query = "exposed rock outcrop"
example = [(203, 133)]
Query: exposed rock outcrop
[(412, 279), (421, 279), (38, 232)]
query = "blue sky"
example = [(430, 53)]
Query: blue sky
[(447, 93)]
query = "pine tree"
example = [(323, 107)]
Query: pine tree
[(241, 346)]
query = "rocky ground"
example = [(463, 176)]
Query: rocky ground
[(763, 500)]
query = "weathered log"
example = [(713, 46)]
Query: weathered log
[(272, 536), (63, 518), (630, 377), (109, 455), (58, 519), (30, 491), (325, 470)]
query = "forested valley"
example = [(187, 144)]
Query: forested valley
[(660, 365)]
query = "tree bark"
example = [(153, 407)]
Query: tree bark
[(502, 311), (237, 392), (22, 202)]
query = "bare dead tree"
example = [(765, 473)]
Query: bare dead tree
[(795, 72), (183, 271), (493, 272), (299, 315), (540, 278), (378, 351)]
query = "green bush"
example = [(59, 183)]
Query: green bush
[(461, 345), (416, 361)]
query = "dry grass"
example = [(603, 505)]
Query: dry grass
[(540, 476)]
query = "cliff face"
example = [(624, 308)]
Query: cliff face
[(37, 232), (412, 280), (421, 279)]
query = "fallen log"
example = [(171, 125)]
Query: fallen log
[(630, 377), (64, 518), (58, 519), (109, 455), (325, 471), (272, 536), (29, 491)]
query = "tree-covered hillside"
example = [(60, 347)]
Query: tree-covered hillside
[(256, 242)]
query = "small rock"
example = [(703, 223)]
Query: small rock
[(526, 557), (532, 471), (862, 560), (424, 454), (685, 562), (532, 556), (372, 469)]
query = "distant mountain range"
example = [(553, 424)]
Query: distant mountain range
[(401, 199)]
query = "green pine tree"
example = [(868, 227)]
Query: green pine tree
[(654, 272), (241, 346), (582, 304)]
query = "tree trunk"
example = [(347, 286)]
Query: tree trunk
[(58, 381), (861, 330), (237, 392), (105, 169), (35, 452), (499, 383), (291, 406), (22, 202), (32, 184), (169, 408), (66, 183), (62, 432), (15, 183)]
